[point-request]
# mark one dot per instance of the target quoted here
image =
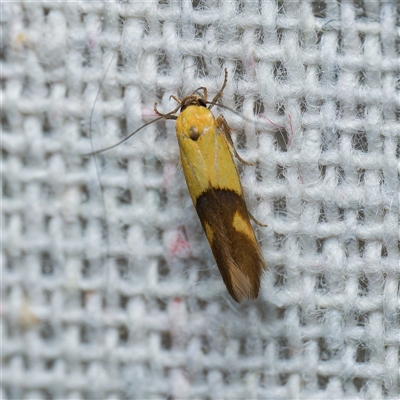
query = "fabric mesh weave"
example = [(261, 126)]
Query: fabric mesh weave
[(109, 287)]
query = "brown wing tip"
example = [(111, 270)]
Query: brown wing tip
[(241, 288)]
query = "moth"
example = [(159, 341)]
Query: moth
[(206, 151)]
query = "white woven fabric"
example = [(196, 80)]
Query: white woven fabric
[(125, 301)]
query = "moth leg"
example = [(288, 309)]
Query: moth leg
[(169, 115), (226, 131), (177, 99), (204, 89), (218, 96), (255, 220)]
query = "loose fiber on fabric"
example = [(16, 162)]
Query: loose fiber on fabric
[(109, 288)]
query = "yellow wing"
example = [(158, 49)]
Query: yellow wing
[(217, 195)]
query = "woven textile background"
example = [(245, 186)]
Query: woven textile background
[(122, 299)]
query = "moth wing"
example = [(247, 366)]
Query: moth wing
[(217, 195), (226, 223)]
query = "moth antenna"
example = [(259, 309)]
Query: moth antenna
[(94, 153), (254, 121), (218, 96), (107, 255)]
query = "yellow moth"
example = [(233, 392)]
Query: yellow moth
[(207, 151)]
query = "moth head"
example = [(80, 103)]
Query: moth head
[(193, 100)]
